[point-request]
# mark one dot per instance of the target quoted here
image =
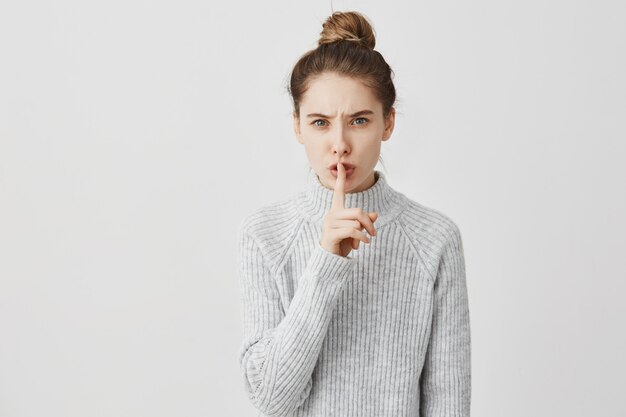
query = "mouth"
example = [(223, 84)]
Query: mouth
[(348, 167)]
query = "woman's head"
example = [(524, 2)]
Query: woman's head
[(329, 85)]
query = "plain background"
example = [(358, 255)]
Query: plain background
[(135, 135)]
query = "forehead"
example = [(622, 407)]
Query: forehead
[(332, 92)]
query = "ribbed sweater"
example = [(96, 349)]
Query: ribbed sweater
[(384, 331)]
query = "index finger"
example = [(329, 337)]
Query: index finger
[(339, 194)]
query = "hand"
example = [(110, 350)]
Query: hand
[(342, 230)]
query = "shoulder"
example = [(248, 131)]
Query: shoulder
[(431, 230), (272, 227)]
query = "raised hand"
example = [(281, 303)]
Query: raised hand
[(342, 230)]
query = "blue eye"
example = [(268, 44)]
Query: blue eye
[(362, 118), (318, 120)]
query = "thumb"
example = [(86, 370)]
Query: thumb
[(373, 215)]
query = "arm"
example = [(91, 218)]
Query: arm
[(445, 382), (281, 348)]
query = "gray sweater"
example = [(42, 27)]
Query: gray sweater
[(384, 331)]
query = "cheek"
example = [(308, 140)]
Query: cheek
[(314, 149), (371, 148), (371, 133), (371, 141)]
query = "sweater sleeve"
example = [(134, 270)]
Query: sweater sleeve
[(445, 382), (280, 348)]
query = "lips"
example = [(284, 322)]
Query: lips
[(346, 165)]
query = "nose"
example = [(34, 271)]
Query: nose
[(340, 144)]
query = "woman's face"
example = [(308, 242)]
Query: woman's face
[(341, 120)]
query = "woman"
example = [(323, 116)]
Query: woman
[(338, 323)]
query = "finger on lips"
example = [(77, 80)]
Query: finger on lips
[(339, 190), (338, 204)]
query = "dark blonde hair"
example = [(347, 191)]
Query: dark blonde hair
[(346, 46)]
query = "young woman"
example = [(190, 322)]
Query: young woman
[(354, 296)]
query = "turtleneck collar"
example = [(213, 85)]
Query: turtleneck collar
[(315, 201)]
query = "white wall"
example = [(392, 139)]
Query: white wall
[(134, 135)]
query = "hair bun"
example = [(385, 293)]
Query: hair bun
[(348, 26)]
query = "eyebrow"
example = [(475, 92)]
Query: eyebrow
[(359, 113)]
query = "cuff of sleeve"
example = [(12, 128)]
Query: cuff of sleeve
[(329, 266)]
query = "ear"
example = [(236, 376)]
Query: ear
[(389, 124), (296, 127)]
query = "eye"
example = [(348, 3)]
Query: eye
[(318, 125), (365, 120)]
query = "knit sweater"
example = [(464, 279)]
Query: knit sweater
[(384, 331)]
